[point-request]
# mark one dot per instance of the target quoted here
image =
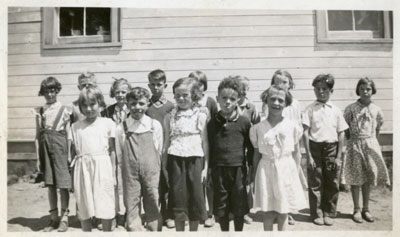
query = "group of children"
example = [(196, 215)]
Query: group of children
[(188, 162)]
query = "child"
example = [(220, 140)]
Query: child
[(229, 140), (93, 147), (284, 80), (85, 80), (277, 187), (159, 107), (245, 107), (212, 107), (52, 125), (364, 165), (117, 112), (185, 146), (324, 127), (139, 142)]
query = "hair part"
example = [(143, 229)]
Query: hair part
[(92, 93), (138, 93), (365, 81), (118, 82), (201, 77), (325, 78), (49, 83), (265, 95), (192, 83), (157, 75), (284, 73)]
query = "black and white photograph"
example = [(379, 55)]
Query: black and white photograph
[(201, 118)]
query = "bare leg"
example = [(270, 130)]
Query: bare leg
[(179, 225), (86, 225), (355, 193), (64, 193), (52, 194), (269, 219), (193, 225), (106, 224), (365, 193), (282, 221)]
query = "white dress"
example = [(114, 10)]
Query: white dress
[(93, 177), (277, 183)]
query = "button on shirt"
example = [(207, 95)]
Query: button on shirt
[(145, 124), (325, 121)]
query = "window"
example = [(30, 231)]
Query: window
[(78, 27), (354, 26)]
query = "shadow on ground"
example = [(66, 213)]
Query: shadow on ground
[(38, 224)]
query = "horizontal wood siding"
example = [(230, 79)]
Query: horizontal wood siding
[(252, 43)]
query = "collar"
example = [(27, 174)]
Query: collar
[(145, 122), (244, 104), (118, 109), (222, 119), (162, 100), (328, 104), (54, 105)]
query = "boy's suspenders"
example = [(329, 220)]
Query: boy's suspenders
[(128, 134), (56, 121)]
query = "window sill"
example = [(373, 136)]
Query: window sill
[(354, 41), (91, 45)]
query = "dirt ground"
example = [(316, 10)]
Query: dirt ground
[(28, 211)]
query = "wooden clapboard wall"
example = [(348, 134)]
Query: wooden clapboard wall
[(252, 43)]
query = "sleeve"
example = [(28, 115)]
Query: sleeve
[(306, 120), (342, 125), (249, 146), (298, 132), (202, 118), (112, 126), (379, 119), (67, 114), (253, 136), (158, 136)]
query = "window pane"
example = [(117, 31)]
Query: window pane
[(340, 20), (371, 21), (71, 21), (98, 21)]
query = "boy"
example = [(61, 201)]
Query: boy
[(324, 128), (229, 140), (158, 108), (85, 80), (139, 142), (245, 107)]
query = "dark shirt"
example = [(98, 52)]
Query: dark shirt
[(229, 140), (157, 110)]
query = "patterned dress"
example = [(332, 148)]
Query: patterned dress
[(364, 162)]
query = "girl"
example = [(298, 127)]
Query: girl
[(363, 165), (118, 113), (277, 187), (52, 125), (185, 146), (94, 171), (284, 80)]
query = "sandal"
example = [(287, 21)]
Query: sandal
[(64, 222), (367, 216), (357, 216)]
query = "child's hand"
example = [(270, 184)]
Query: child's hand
[(310, 162), (204, 176)]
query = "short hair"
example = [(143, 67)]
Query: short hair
[(138, 93), (193, 85), (326, 78), (89, 94), (264, 96), (49, 83), (157, 75), (201, 77), (88, 75), (231, 82), (366, 81), (285, 73), (118, 82)]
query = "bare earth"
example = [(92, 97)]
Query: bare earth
[(28, 211)]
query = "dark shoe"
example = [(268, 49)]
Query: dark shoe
[(318, 221), (291, 220), (357, 217), (367, 216), (328, 221), (210, 222), (53, 225), (247, 219)]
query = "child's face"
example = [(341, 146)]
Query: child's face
[(243, 95), (322, 92), (365, 91), (50, 95), (90, 108), (120, 93), (183, 97), (157, 87), (282, 82), (138, 107), (85, 83), (228, 99), (276, 101)]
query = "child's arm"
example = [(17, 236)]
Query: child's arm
[(167, 142), (306, 139), (204, 144), (111, 150), (37, 143), (338, 160)]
